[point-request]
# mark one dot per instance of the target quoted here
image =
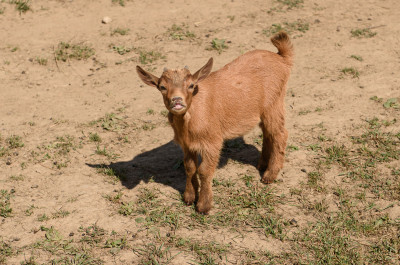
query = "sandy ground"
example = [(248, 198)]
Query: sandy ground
[(43, 100)]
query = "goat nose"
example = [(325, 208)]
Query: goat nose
[(176, 99)]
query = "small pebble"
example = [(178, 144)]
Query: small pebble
[(293, 222), (34, 186), (304, 170), (8, 161), (106, 20), (71, 234)]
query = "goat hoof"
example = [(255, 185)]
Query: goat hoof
[(203, 209), (188, 198), (269, 177)]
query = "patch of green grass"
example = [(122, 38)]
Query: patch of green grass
[(206, 252), (350, 71), (107, 171), (30, 261), (218, 45), (148, 126), (304, 112), (53, 241), (21, 5), (110, 122), (376, 99), (2, 10), (225, 183), (116, 175), (248, 180), (14, 141), (292, 148), (120, 2), (121, 50), (5, 251), (338, 154), (391, 103), (115, 244), (93, 234), (362, 33), (289, 27), (105, 152), (164, 113), (328, 244), (357, 57), (126, 208), (114, 198), (120, 31), (150, 111), (314, 147), (314, 181), (180, 32), (146, 57), (94, 137), (5, 204), (60, 214), (291, 3), (153, 254), (42, 218), (66, 51), (29, 211), (17, 177), (41, 61), (64, 144)]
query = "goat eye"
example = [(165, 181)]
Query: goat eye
[(163, 88), (191, 86)]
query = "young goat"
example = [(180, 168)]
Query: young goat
[(205, 109)]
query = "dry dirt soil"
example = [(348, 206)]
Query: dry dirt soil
[(88, 172)]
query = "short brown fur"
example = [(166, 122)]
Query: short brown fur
[(205, 109)]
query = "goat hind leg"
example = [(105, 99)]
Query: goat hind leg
[(266, 149), (275, 136)]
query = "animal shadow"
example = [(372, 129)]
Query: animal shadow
[(164, 164)]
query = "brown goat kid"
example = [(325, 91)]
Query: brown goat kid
[(207, 108)]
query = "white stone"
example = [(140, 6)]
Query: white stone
[(106, 20)]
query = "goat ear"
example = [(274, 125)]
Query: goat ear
[(146, 77), (204, 71)]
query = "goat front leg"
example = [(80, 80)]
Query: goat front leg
[(192, 184), (206, 171)]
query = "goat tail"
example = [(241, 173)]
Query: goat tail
[(285, 48)]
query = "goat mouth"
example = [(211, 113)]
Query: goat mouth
[(177, 106)]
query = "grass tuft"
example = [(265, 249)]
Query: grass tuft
[(180, 32), (350, 71), (218, 45), (289, 27), (22, 6), (66, 51), (362, 33), (5, 205)]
